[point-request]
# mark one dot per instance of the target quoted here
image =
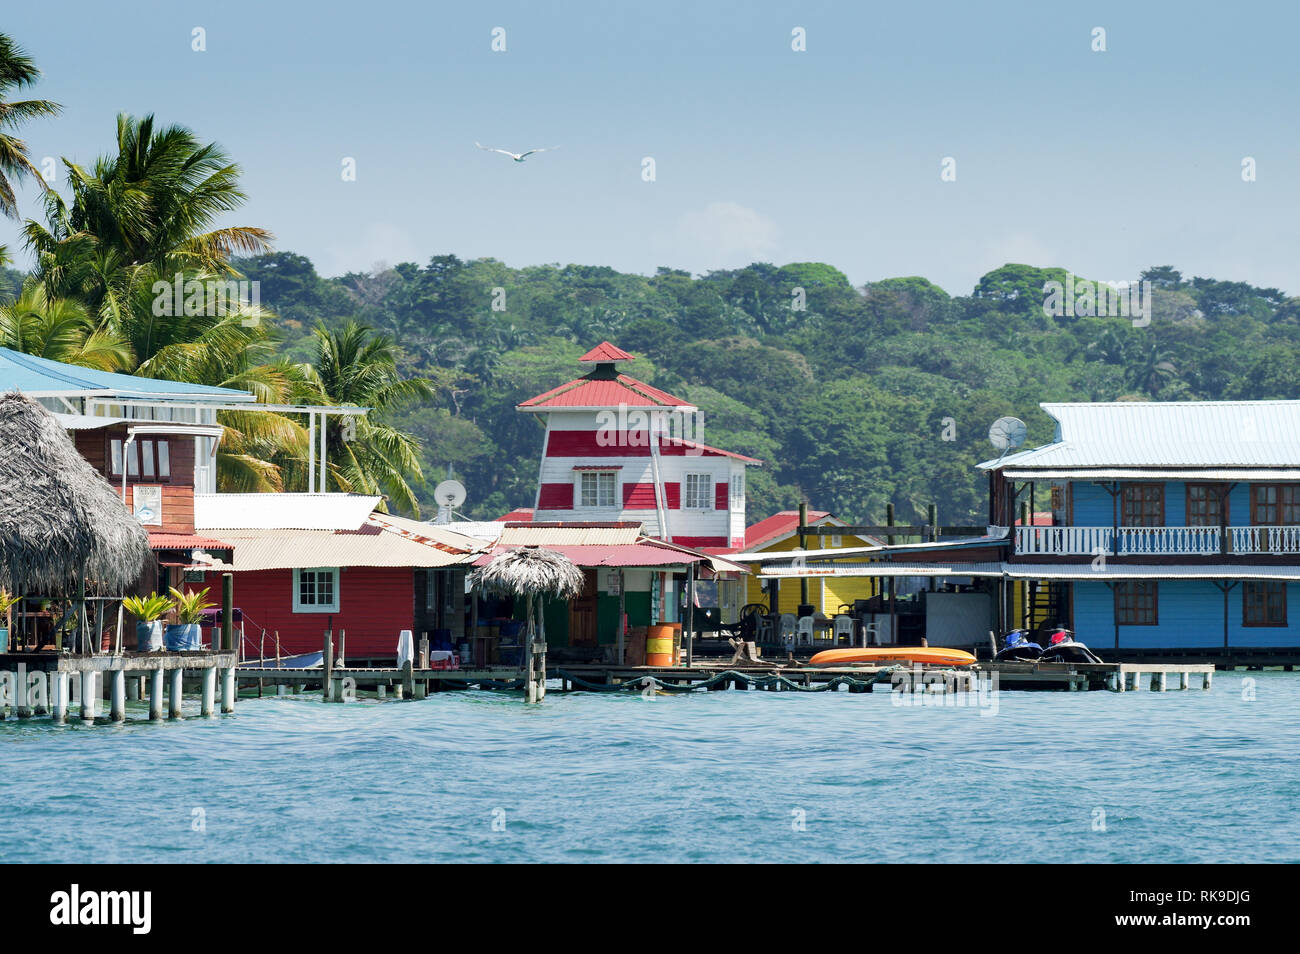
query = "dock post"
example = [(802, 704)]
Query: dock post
[(1134, 680), (60, 691), (155, 694), (1157, 682), (1184, 680), (89, 695), (408, 680), (329, 666), (422, 689), (280, 689), (209, 692), (1206, 678), (174, 693), (381, 691), (1117, 681), (117, 703), (133, 689), (228, 690)]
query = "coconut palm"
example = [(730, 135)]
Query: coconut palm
[(17, 72), (59, 329), (354, 366)]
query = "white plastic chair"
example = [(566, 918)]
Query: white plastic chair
[(805, 631), (843, 627), (789, 630)]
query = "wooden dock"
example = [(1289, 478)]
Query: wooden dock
[(49, 683), (344, 682)]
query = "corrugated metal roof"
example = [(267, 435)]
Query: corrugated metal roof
[(184, 541), (880, 569), (606, 352), (624, 555), (436, 534), (42, 377), (371, 546), (1167, 434), (780, 525), (1135, 571), (1154, 473), (282, 511), (489, 530), (590, 391), (571, 535), (995, 536)]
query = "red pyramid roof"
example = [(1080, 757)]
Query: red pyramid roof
[(591, 391), (606, 352)]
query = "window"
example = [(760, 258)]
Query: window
[(1203, 505), (836, 540), (1274, 505), (699, 492), (316, 590), (1263, 603), (1135, 603), (1143, 505), (598, 488), (146, 457), (738, 491)]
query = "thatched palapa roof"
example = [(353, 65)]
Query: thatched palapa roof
[(60, 520), (530, 571)]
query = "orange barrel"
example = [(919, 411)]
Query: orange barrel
[(659, 646)]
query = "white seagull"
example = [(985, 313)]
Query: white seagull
[(516, 156)]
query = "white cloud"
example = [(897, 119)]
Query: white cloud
[(376, 244), (727, 234)]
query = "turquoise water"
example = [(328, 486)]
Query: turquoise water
[(720, 776)]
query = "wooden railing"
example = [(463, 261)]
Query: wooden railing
[(1145, 541)]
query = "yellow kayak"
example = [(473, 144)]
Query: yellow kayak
[(925, 655)]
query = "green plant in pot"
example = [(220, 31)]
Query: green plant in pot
[(149, 610), (187, 631), (7, 602)]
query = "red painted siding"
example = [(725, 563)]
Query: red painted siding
[(375, 604), (639, 496), (673, 495), (697, 542), (615, 444), (555, 497), (720, 499)]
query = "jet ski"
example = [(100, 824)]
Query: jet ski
[(1062, 647), (1018, 648)]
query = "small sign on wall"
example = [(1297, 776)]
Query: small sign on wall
[(146, 501), (612, 582)]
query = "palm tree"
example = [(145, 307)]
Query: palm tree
[(356, 367), (153, 204), (17, 71), (59, 329)]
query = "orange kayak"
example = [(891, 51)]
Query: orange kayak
[(925, 655)]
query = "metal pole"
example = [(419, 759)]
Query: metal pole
[(690, 614), (311, 453), (323, 451), (803, 545)]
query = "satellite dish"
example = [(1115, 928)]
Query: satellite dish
[(449, 493), (1008, 433)]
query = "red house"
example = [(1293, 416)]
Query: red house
[(307, 563)]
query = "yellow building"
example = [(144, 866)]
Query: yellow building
[(779, 533)]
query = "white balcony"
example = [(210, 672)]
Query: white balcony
[(1154, 541)]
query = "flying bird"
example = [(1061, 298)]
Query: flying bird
[(516, 156)]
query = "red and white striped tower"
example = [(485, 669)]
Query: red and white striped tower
[(619, 449)]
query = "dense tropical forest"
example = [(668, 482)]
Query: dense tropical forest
[(852, 396)]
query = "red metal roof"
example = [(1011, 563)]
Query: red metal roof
[(589, 391), (184, 541), (706, 449), (626, 554), (519, 515), (778, 525), (606, 352)]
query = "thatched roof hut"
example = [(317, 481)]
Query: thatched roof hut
[(61, 522), (530, 571)]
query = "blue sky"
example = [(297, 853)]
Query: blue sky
[(1102, 162)]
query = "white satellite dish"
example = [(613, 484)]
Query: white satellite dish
[(1008, 433), (449, 493)]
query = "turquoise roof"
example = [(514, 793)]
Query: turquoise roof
[(40, 377)]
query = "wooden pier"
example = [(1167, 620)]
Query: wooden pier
[(49, 684), (409, 682)]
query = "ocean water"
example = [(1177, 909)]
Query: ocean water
[(1190, 776)]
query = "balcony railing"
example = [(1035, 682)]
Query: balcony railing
[(1154, 541)]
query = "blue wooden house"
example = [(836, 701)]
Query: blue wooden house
[(1175, 526)]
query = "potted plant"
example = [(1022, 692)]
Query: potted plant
[(187, 631), (6, 604), (149, 610)]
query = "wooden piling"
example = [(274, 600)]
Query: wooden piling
[(174, 693), (117, 703), (328, 671), (209, 692), (156, 695)]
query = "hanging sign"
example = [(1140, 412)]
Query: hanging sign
[(147, 504)]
